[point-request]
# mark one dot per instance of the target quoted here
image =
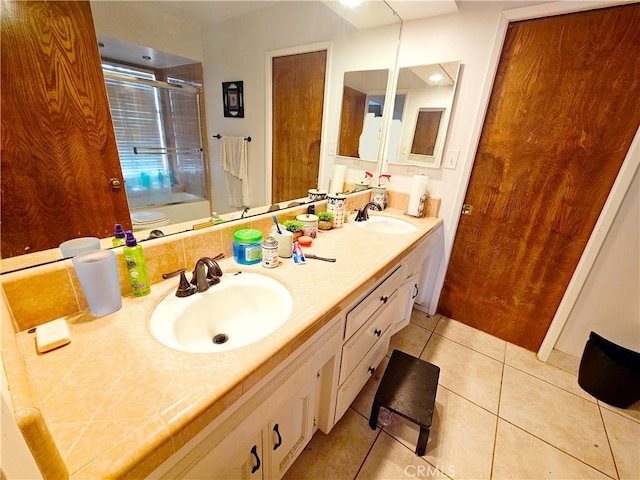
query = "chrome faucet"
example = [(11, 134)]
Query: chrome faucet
[(363, 215), (207, 272)]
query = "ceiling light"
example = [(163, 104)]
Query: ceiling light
[(436, 77), (351, 3)]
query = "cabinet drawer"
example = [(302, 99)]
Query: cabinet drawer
[(361, 374), (372, 302), (361, 342)]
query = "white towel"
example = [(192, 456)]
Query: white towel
[(234, 160)]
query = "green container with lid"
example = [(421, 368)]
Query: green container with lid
[(247, 246)]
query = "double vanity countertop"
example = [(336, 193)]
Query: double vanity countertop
[(117, 403)]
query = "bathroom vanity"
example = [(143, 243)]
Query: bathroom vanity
[(118, 403)]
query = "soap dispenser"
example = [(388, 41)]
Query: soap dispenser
[(118, 236)]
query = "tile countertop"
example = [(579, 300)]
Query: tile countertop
[(118, 403)]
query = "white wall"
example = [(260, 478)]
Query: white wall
[(16, 461), (609, 302), (238, 50)]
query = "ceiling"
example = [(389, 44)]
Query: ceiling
[(371, 13)]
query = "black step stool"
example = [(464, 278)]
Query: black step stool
[(408, 388)]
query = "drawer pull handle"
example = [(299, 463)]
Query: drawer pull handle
[(415, 286), (371, 370), (279, 442), (384, 299), (377, 332), (254, 452)]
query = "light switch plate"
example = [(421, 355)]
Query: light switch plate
[(451, 159)]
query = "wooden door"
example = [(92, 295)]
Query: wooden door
[(298, 99), (354, 106), (58, 144), (563, 111)]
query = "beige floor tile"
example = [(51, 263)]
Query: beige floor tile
[(633, 412), (468, 373), (461, 438), (528, 362), (564, 361), (338, 455), (470, 337), (411, 339), (389, 459), (556, 416), (363, 402), (523, 456), (424, 320), (624, 437)]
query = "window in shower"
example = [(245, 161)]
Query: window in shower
[(158, 132)]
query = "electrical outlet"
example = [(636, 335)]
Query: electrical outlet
[(403, 149), (451, 159), (413, 170), (332, 147)]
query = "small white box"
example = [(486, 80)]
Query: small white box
[(52, 335)]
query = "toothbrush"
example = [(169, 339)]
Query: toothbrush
[(275, 220)]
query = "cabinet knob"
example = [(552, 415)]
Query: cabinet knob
[(384, 299), (377, 332), (371, 370), (254, 452)]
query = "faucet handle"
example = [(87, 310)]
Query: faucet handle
[(185, 288)]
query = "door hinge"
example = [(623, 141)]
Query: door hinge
[(314, 422), (467, 209)]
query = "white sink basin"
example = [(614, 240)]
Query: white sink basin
[(241, 309), (385, 224)]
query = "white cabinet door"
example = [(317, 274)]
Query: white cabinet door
[(235, 457), (290, 429), (247, 464), (407, 294)]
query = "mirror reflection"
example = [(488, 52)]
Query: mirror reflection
[(179, 34), (361, 117), (422, 108)]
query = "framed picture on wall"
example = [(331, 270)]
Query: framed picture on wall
[(233, 99)]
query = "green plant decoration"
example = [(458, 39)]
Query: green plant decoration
[(293, 226)]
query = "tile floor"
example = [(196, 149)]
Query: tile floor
[(500, 414)]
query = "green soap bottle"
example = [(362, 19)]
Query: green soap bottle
[(118, 236), (136, 266)]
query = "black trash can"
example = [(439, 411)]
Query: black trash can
[(609, 372)]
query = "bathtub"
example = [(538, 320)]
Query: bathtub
[(184, 207)]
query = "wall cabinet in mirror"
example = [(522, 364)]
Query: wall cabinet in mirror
[(361, 118), (422, 109)]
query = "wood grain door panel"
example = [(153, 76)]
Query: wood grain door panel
[(354, 106), (563, 111), (58, 144), (298, 100)]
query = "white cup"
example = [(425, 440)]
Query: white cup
[(285, 243), (75, 246), (97, 272)]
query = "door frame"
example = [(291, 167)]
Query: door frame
[(614, 200), (268, 134)]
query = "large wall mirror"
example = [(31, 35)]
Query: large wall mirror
[(362, 113), (231, 42), (422, 109)]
